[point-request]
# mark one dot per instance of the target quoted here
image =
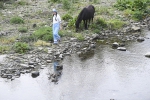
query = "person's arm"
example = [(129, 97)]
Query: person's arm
[(60, 22)]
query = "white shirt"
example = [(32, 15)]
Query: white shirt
[(56, 19)]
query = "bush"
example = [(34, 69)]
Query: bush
[(101, 22), (138, 15), (17, 20), (139, 7), (43, 33), (72, 22), (66, 4), (21, 47), (67, 17), (23, 29)]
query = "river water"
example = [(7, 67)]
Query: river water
[(106, 74)]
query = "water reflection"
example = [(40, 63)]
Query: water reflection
[(54, 77)]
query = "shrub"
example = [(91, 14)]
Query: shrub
[(138, 15), (66, 4), (67, 17), (139, 7), (23, 29), (21, 47), (101, 22), (17, 20), (43, 33), (128, 13), (71, 23)]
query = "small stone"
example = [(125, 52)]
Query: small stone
[(121, 48), (34, 74)]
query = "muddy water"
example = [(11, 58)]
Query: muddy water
[(107, 74)]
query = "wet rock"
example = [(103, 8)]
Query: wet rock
[(95, 36), (147, 54), (121, 48), (49, 61), (59, 67), (140, 39), (35, 74), (93, 45), (136, 28), (31, 63), (115, 45), (24, 66)]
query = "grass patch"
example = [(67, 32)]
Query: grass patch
[(3, 49), (23, 29), (16, 20), (7, 40), (115, 24), (79, 36), (41, 43)]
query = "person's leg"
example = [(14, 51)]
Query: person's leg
[(55, 33)]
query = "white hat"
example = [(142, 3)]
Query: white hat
[(54, 10)]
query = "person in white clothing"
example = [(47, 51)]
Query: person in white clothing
[(56, 26)]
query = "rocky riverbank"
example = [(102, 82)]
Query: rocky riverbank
[(40, 57)]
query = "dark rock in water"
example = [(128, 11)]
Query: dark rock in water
[(140, 39), (35, 74), (59, 67), (147, 54)]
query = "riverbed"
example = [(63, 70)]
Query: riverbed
[(103, 75)]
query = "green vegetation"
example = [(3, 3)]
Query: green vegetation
[(22, 3), (1, 5), (23, 29), (71, 23), (66, 4), (4, 48), (43, 33), (139, 7), (21, 47), (79, 36), (16, 20), (53, 1), (7, 40), (115, 24), (67, 17)]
